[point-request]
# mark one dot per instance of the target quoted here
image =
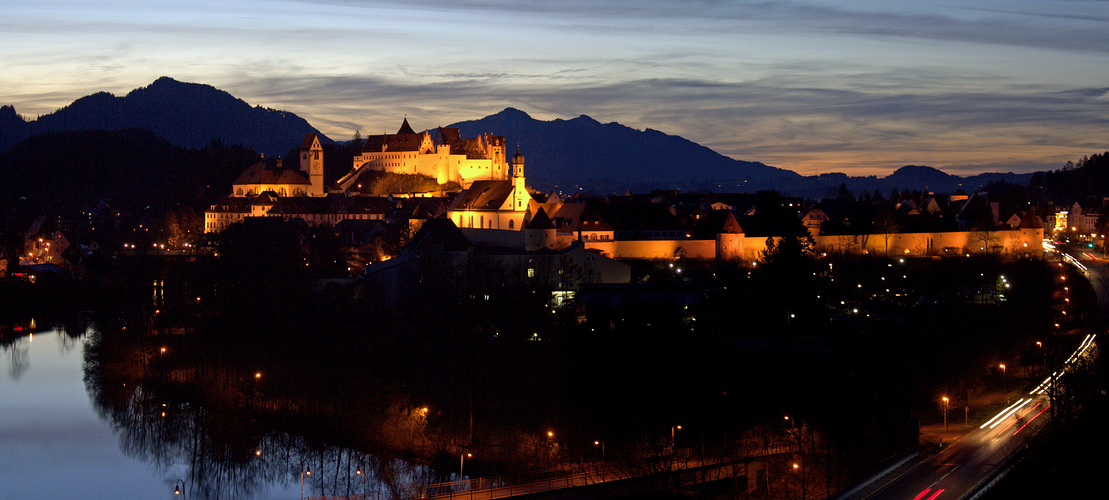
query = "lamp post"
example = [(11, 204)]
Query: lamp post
[(358, 472), (179, 488), (945, 413), (1004, 386), (304, 472), (602, 445), (462, 464)]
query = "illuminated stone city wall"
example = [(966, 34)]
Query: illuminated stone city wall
[(1017, 242)]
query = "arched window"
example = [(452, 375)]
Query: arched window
[(511, 224), (471, 222), (481, 221), (593, 237), (239, 192)]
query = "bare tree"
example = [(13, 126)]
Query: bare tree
[(885, 225)]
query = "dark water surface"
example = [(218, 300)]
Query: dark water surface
[(55, 444)]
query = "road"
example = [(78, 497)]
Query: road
[(1096, 271), (968, 466)]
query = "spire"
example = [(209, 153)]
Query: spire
[(405, 128)]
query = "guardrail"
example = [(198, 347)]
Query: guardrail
[(575, 475)]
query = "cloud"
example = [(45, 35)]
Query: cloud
[(777, 120)]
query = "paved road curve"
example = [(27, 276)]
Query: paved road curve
[(968, 465)]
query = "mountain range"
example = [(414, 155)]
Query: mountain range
[(565, 154), (186, 114), (583, 152)]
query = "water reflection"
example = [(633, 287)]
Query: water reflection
[(227, 435)]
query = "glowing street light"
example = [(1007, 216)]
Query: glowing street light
[(462, 464), (1004, 386), (179, 488), (945, 413), (306, 472)]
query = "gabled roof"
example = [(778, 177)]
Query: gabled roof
[(420, 213), (568, 215), (540, 221), (437, 234), (398, 142), (231, 204), (259, 174), (1031, 221), (483, 196), (309, 141)]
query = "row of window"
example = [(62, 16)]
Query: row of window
[(280, 192), (481, 222)]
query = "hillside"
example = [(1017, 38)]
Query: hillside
[(185, 114), (129, 169), (583, 151)]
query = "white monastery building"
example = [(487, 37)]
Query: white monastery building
[(441, 154)]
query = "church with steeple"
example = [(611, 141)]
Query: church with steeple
[(494, 204), (306, 181)]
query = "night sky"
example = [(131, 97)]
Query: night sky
[(814, 85)]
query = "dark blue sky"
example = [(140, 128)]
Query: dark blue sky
[(812, 85)]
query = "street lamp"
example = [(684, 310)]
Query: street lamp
[(945, 413), (1004, 386), (179, 488), (462, 464), (306, 472)]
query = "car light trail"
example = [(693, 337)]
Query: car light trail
[(1042, 387), (1031, 419), (1074, 262), (1003, 429), (1000, 413), (925, 492), (1014, 410)]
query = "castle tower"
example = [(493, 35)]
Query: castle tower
[(311, 162), (520, 196)]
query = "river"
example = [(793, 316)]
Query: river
[(53, 442)]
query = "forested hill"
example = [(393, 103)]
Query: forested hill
[(185, 114), (1076, 180), (129, 168)]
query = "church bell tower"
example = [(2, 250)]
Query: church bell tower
[(311, 162), (520, 194)]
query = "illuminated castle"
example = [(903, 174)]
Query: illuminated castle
[(441, 154)]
